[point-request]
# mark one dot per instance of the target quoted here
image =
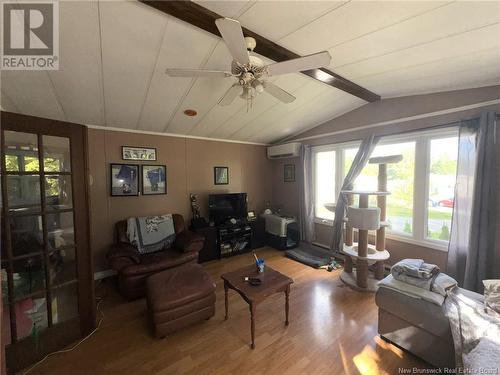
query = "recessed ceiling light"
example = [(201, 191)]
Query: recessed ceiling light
[(190, 112)]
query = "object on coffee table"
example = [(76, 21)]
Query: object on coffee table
[(254, 281), (259, 262)]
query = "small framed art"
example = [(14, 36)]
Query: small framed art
[(221, 175), (138, 153), (124, 180), (289, 173), (154, 179)]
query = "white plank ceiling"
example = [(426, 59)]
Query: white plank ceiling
[(114, 55)]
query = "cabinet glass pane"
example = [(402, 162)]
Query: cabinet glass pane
[(6, 333), (26, 234), (5, 288), (23, 193), (60, 229), (58, 192), (31, 316), (29, 276), (21, 152), (62, 266), (56, 154), (64, 303)]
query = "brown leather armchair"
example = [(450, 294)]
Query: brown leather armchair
[(134, 268)]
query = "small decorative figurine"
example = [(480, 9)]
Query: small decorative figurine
[(195, 207)]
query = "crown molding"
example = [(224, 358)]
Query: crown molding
[(115, 129)]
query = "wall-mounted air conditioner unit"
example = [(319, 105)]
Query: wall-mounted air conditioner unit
[(287, 150)]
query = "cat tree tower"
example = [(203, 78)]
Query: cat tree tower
[(361, 256)]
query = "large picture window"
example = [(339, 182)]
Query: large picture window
[(441, 187), (325, 183), (422, 185)]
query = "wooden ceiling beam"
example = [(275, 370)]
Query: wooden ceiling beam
[(204, 18)]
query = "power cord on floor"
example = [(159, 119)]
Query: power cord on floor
[(99, 301)]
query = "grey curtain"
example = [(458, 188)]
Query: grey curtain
[(307, 194), (471, 251), (359, 162)]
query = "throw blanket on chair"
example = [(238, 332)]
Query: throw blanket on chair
[(476, 334), (411, 290), (416, 268), (151, 233), (423, 275)]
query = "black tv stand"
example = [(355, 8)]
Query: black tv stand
[(233, 239), (217, 237)]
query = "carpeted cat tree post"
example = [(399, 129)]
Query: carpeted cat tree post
[(364, 263)]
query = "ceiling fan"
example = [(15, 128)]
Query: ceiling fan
[(249, 70)]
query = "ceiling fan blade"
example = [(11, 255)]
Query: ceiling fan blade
[(230, 94), (278, 92), (316, 60), (197, 73), (233, 37)]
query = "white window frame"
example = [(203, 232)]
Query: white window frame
[(339, 166), (422, 141)]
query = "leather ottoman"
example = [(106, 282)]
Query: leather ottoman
[(179, 297)]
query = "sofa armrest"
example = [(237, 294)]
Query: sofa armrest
[(120, 263), (122, 255), (189, 241), (160, 261)]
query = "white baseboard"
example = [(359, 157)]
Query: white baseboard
[(103, 274)]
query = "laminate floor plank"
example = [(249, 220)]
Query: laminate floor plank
[(333, 330)]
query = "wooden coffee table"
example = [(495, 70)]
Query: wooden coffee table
[(272, 282)]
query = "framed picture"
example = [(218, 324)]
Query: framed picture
[(138, 153), (124, 180), (154, 179), (221, 175), (289, 172)]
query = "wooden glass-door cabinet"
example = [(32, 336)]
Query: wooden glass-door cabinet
[(46, 265)]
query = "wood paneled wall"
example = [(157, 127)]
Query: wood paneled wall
[(189, 164)]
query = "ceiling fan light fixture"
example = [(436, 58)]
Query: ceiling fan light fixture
[(257, 85), (249, 70), (250, 42), (248, 93)]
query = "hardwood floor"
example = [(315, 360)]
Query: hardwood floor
[(333, 330)]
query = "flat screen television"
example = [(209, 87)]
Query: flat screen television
[(223, 207)]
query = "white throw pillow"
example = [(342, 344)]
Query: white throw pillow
[(492, 295)]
